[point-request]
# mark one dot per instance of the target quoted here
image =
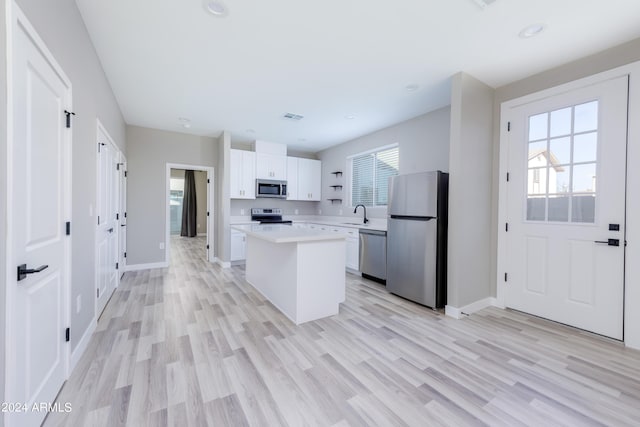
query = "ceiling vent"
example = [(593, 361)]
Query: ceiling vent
[(291, 116), (483, 3)]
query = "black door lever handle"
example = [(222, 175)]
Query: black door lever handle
[(23, 270), (609, 242), (110, 230)]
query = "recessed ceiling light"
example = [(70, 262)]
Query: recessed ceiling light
[(186, 125), (531, 30), (412, 87), (350, 117), (216, 8)]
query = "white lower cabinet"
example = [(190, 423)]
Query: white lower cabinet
[(352, 253), (238, 245)]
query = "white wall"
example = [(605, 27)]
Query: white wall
[(149, 151), (61, 27), (424, 146), (470, 168)]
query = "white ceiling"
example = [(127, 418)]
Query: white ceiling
[(328, 59)]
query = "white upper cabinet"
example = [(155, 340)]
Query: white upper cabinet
[(243, 174), (271, 166), (309, 179), (292, 178)]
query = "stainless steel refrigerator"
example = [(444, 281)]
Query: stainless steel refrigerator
[(417, 237)]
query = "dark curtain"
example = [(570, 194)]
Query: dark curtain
[(189, 205)]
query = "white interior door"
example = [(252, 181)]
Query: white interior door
[(566, 207), (122, 238), (108, 224), (39, 207)]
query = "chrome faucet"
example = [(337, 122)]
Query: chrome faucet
[(365, 212)]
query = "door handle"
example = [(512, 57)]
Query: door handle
[(609, 242), (123, 225), (23, 271), (110, 230)]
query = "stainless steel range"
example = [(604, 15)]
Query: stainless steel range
[(268, 216)]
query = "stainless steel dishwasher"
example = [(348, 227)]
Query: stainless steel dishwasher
[(373, 255)]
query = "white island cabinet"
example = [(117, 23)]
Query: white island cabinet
[(300, 271)]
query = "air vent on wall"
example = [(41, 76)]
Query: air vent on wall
[(483, 3), (291, 116)]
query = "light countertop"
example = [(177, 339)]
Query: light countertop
[(373, 224), (282, 233)]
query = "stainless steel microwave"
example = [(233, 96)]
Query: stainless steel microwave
[(271, 189)]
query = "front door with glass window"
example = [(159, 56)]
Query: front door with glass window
[(566, 207)]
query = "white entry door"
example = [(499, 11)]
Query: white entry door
[(39, 203), (566, 207), (108, 220)]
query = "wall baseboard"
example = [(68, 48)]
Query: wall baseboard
[(202, 234), (223, 264), (148, 266), (458, 313), (77, 353)]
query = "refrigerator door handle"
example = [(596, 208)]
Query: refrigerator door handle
[(412, 218)]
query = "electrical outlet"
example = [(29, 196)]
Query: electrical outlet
[(161, 245), (296, 211), (241, 211), (78, 303)]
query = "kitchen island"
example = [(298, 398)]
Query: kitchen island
[(300, 271)]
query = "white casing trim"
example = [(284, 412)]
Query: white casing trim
[(223, 264)]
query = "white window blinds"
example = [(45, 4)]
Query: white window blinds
[(370, 174)]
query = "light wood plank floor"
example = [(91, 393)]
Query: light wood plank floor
[(195, 345)]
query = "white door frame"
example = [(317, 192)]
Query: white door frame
[(14, 18), (122, 209), (210, 203), (632, 270)]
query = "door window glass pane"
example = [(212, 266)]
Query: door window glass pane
[(536, 208), (536, 154), (586, 117), (559, 179), (583, 208), (560, 122), (560, 151), (559, 207), (585, 147), (584, 178), (537, 182), (538, 127)]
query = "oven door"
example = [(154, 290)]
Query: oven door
[(272, 189)]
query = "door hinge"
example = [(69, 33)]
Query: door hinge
[(508, 126), (208, 181), (125, 254), (117, 166), (125, 174), (207, 213), (67, 334), (505, 277), (99, 145), (69, 114), (125, 214), (98, 219), (207, 246), (98, 293), (68, 228), (117, 216), (507, 176), (116, 265), (506, 227)]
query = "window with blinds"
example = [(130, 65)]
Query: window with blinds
[(370, 174)]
